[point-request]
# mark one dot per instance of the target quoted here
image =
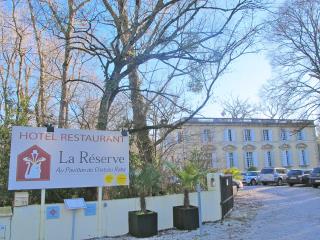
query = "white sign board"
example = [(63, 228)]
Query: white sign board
[(67, 158), (21, 199), (75, 203)]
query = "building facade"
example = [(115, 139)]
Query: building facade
[(245, 143)]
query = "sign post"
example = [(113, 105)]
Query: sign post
[(42, 215), (99, 215), (200, 209), (74, 204)]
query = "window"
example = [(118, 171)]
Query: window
[(249, 159), (266, 135), (281, 171), (316, 170), (287, 157), (229, 135), (284, 135), (269, 159), (214, 162), (231, 159), (303, 157), (267, 171), (295, 172), (206, 136), (300, 135), (247, 135)]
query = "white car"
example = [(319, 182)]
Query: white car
[(273, 175), (251, 177)]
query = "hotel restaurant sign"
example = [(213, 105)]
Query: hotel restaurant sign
[(67, 158)]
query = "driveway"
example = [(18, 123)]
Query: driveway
[(291, 213), (264, 213)]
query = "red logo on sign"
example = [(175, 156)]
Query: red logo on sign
[(33, 165)]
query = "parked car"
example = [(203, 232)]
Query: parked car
[(251, 177), (273, 175), (315, 177), (298, 176)]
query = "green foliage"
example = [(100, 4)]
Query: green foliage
[(145, 179), (189, 174), (235, 172), (252, 169)]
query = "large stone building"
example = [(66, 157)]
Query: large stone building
[(243, 143)]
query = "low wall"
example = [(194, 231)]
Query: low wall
[(24, 223)]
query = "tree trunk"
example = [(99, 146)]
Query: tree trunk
[(139, 108), (186, 200), (143, 205), (64, 90), (40, 104)]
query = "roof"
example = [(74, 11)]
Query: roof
[(250, 121)]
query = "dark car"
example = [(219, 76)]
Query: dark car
[(315, 177), (298, 176)]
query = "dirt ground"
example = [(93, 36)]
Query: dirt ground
[(264, 213)]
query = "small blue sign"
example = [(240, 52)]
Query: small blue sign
[(53, 212), (91, 209)]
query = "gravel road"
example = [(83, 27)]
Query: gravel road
[(264, 213)]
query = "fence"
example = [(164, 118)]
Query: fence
[(25, 221)]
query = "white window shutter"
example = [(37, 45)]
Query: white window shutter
[(303, 134), (290, 158), (233, 135), (301, 157), (255, 160), (270, 134), (307, 157), (235, 160), (225, 136), (284, 159), (227, 159), (273, 164), (214, 162), (266, 163), (252, 134), (245, 160), (244, 135)]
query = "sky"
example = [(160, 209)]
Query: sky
[(244, 79)]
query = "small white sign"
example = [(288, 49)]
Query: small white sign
[(75, 203), (2, 231), (67, 158), (21, 199)]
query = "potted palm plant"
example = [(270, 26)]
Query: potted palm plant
[(186, 216), (144, 223)]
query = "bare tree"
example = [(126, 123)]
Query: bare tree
[(296, 58), (40, 107), (15, 71), (273, 108), (189, 43), (234, 107), (64, 22)]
